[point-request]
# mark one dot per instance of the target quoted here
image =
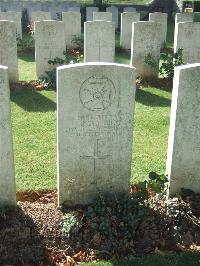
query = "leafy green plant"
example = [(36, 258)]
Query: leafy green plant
[(150, 61), (71, 223), (78, 41), (25, 44), (170, 61), (158, 183), (113, 215)]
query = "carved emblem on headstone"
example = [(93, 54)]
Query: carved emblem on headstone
[(97, 93)]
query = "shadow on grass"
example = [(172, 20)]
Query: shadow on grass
[(146, 98), (28, 57), (32, 101)]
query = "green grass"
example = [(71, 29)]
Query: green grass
[(34, 133), (27, 67), (182, 259)]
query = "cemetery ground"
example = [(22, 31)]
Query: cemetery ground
[(169, 231)]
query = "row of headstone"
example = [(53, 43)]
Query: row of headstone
[(57, 13), (95, 132), (50, 42)]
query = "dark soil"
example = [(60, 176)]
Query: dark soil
[(32, 233)]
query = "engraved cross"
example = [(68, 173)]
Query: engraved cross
[(96, 156)]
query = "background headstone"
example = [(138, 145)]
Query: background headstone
[(49, 44), (74, 9), (106, 16), (130, 9), (7, 175), (89, 12), (99, 41), (39, 16), (183, 159), (8, 48), (72, 22), (183, 17), (146, 44), (95, 130), (16, 18), (115, 15), (187, 37), (55, 12), (160, 18), (127, 19)]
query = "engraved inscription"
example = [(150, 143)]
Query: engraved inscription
[(97, 93)]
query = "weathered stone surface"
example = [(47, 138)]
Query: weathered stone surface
[(127, 19), (13, 16), (8, 48), (115, 15), (99, 41), (49, 44), (56, 11), (95, 130), (74, 9), (89, 12), (187, 37), (160, 18), (130, 9), (72, 21), (146, 43), (7, 176), (183, 17), (106, 16), (183, 159), (40, 16)]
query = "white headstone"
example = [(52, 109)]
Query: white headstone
[(8, 49), (160, 18), (130, 9), (183, 17), (74, 9), (127, 19), (99, 41), (72, 21), (187, 37), (55, 12), (115, 15), (183, 159), (95, 130), (145, 48), (39, 16), (89, 12), (7, 176), (106, 16), (13, 16), (49, 44)]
